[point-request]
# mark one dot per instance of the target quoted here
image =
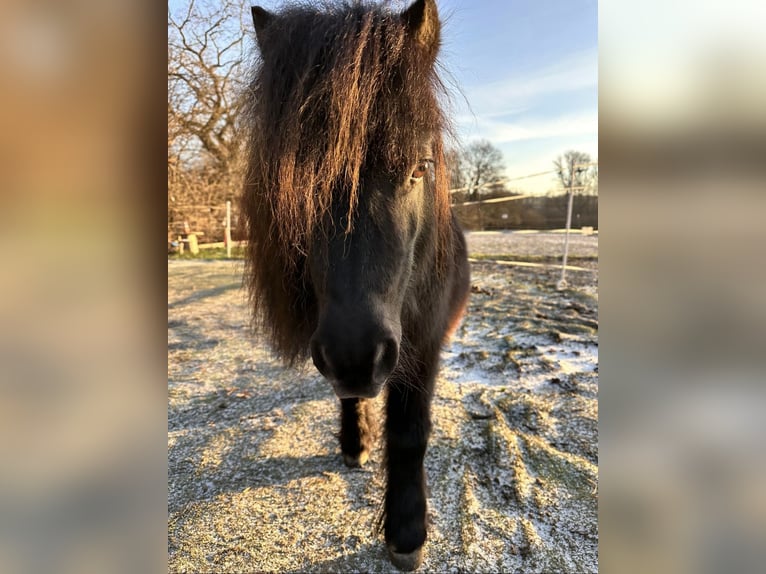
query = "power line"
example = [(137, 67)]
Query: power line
[(499, 181), (507, 179), (531, 175), (493, 200), (454, 190)]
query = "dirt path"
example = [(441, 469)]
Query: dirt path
[(255, 478)]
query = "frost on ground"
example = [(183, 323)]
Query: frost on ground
[(255, 477)]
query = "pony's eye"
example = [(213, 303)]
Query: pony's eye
[(420, 170)]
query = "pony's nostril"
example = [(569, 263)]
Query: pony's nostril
[(386, 357), (319, 356)]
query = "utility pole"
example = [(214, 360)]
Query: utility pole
[(577, 168), (562, 284)]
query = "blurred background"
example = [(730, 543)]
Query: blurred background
[(682, 136), (82, 398)]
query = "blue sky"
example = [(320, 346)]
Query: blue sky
[(529, 70)]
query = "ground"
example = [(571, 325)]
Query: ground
[(255, 477)]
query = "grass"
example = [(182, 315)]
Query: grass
[(210, 254)]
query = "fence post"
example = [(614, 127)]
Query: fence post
[(227, 231), (562, 284), (576, 168), (193, 244)]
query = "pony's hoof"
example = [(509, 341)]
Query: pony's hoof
[(407, 562), (356, 461)]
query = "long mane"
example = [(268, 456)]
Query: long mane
[(333, 90)]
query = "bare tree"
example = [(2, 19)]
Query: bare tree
[(206, 53), (206, 79), (479, 164), (575, 171)]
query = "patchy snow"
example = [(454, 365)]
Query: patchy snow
[(255, 478), (573, 358)]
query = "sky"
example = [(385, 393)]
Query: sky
[(528, 71)]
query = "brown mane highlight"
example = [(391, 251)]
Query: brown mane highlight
[(334, 89)]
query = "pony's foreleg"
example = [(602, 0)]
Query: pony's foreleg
[(356, 431), (408, 425)]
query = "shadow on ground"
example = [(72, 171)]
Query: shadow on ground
[(255, 478)]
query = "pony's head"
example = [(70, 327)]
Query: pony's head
[(346, 198)]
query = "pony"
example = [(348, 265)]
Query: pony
[(354, 257)]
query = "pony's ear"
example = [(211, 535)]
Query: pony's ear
[(261, 20), (422, 22)]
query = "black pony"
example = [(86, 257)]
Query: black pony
[(354, 256)]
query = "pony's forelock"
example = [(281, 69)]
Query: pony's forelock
[(333, 90)]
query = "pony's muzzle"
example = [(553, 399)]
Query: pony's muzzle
[(356, 367)]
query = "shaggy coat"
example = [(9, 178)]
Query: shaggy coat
[(349, 226)]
